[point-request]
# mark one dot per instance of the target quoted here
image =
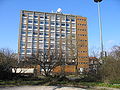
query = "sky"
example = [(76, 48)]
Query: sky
[(110, 14)]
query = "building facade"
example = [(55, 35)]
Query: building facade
[(93, 64), (65, 33)]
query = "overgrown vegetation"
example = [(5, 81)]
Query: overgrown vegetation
[(50, 81), (108, 73), (7, 60), (47, 62), (110, 69)]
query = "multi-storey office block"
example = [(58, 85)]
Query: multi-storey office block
[(65, 33)]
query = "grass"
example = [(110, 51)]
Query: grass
[(85, 84), (52, 81)]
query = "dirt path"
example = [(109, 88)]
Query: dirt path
[(41, 88)]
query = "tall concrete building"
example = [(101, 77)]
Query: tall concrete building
[(66, 33)]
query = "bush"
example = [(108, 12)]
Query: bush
[(110, 69)]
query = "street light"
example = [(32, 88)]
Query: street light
[(97, 0), (100, 27)]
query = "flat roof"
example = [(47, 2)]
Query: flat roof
[(52, 13)]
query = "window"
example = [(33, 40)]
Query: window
[(46, 28), (45, 51), (52, 45), (78, 19), (52, 33), (24, 15), (62, 29), (30, 13), (41, 27), (46, 33), (58, 17), (40, 40), (41, 22), (63, 24), (46, 22), (68, 30), (35, 33), (82, 35), (29, 21), (41, 16), (22, 44), (52, 23), (29, 45), (30, 16), (73, 35), (52, 39), (35, 21), (40, 33), (73, 25), (47, 17), (29, 39), (35, 16), (23, 26), (68, 24), (23, 32), (28, 51), (52, 17), (22, 56), (67, 19), (41, 45), (73, 29), (34, 44), (57, 23), (46, 46), (24, 20), (68, 34), (35, 27), (22, 50), (35, 38), (57, 34), (29, 26), (34, 50), (52, 28), (82, 24), (63, 35), (73, 20), (82, 19), (58, 29), (29, 33), (63, 18)]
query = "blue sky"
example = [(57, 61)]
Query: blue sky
[(110, 12)]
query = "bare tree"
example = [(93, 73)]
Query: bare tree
[(20, 68), (47, 62), (110, 70), (94, 52), (9, 64), (7, 58), (115, 52), (71, 51)]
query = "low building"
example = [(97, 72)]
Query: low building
[(93, 64)]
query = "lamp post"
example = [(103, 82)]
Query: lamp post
[(100, 27)]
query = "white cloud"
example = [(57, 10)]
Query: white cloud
[(111, 42)]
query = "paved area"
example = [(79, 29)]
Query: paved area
[(41, 88), (54, 88)]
